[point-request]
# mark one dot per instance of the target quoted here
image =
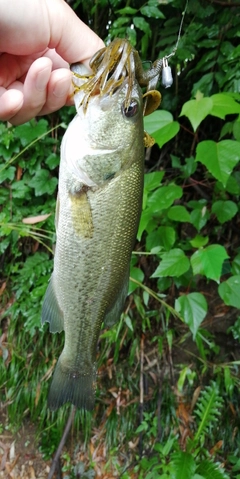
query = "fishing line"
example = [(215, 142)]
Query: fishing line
[(167, 79), (179, 33)]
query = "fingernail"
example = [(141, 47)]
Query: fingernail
[(42, 79), (62, 87)]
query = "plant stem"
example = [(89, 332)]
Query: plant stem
[(62, 442)]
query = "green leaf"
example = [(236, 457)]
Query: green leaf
[(20, 189), (7, 174), (31, 131), (179, 213), (224, 104), (211, 470), (199, 241), (224, 210), (153, 180), (52, 161), (229, 291), (144, 26), (120, 21), (151, 11), (236, 264), (199, 215), (219, 158), (193, 308), (173, 263), (236, 129), (163, 237), (161, 126), (166, 133), (184, 465), (209, 261), (197, 110), (127, 11), (135, 273), (157, 120), (164, 197), (43, 183), (146, 217)]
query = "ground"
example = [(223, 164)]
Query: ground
[(19, 452)]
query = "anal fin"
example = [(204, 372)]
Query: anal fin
[(51, 311), (114, 314)]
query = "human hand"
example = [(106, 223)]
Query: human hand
[(38, 41)]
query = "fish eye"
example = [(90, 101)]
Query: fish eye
[(132, 109)]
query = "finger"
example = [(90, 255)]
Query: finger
[(51, 24), (60, 90), (34, 90), (11, 102), (72, 39)]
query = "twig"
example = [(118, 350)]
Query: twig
[(225, 4), (62, 442), (141, 392)]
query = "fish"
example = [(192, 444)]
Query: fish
[(97, 215)]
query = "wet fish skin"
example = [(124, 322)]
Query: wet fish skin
[(98, 211)]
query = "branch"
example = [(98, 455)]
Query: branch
[(225, 4), (62, 442)]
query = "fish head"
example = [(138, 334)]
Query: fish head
[(105, 137)]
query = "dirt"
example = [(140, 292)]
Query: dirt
[(19, 455)]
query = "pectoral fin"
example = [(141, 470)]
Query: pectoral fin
[(115, 312), (51, 311)]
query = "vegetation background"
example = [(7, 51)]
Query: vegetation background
[(168, 390)]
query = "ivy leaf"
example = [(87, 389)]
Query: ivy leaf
[(7, 174), (52, 161), (236, 264), (164, 197), (20, 189), (161, 126), (229, 291), (173, 263), (209, 261), (43, 183), (224, 104), (166, 133), (199, 215), (153, 180), (199, 241), (31, 131), (179, 213), (224, 210), (197, 110), (164, 236), (219, 158), (193, 308)]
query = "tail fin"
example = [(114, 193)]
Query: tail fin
[(72, 386)]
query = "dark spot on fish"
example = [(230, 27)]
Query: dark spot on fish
[(109, 176)]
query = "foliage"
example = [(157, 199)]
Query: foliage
[(167, 460), (187, 252)]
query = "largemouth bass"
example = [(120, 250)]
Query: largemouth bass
[(98, 210), (97, 215)]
